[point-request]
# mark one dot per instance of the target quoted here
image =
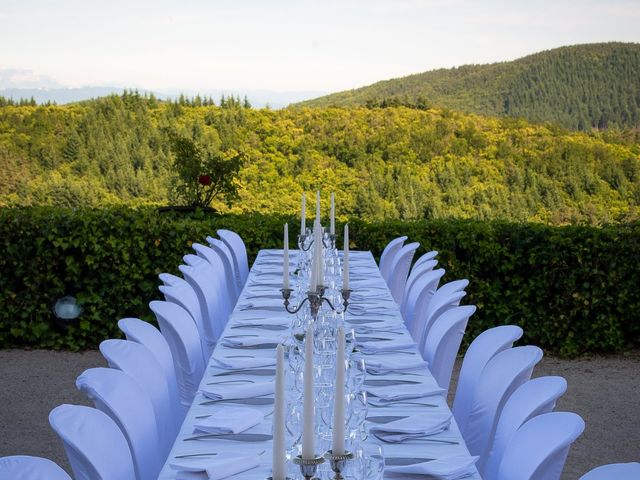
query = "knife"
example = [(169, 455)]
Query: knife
[(259, 372), (259, 346), (386, 418), (243, 401), (383, 382), (358, 321), (373, 339), (263, 327), (403, 461), (238, 437)]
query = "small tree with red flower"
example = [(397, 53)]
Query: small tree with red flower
[(204, 175)]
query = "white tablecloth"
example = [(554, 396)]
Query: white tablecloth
[(365, 280)]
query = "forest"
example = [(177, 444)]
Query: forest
[(582, 87), (391, 162)]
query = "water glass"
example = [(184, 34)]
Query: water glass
[(370, 461)]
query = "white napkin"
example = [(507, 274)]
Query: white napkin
[(245, 390), (229, 363), (412, 427), (382, 364), (393, 393), (230, 419), (210, 468), (402, 343), (251, 340), (445, 468)]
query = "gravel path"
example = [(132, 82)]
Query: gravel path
[(604, 390)]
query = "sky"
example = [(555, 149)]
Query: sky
[(287, 45)]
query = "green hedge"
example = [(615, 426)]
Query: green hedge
[(573, 289)]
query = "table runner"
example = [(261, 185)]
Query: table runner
[(257, 301)]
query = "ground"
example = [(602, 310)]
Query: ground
[(604, 390)]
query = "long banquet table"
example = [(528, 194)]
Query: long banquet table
[(255, 304)]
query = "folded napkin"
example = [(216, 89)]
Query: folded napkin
[(402, 343), (253, 340), (238, 391), (413, 426), (445, 468), (213, 468), (393, 393), (230, 419), (238, 363), (382, 364)]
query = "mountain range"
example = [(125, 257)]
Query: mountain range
[(583, 87)]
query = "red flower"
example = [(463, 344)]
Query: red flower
[(204, 180)]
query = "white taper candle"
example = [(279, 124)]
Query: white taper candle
[(332, 229), (308, 409), (285, 268), (279, 463), (303, 214), (345, 261), (339, 397), (318, 205)]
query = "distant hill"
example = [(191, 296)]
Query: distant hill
[(583, 87)]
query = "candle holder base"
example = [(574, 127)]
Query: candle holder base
[(308, 466), (338, 462), (271, 478)]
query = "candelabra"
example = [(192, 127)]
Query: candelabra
[(338, 462), (308, 466), (315, 300)]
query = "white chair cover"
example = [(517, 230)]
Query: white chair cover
[(122, 398), (614, 471), (502, 375), (425, 257), (210, 296), (482, 349), (187, 298), (139, 363), (238, 250), (440, 302), (539, 448), (95, 446), (419, 298), (387, 256), (24, 467), (443, 342), (217, 269), (146, 334), (229, 269), (535, 397), (171, 280), (400, 271), (184, 343), (416, 272)]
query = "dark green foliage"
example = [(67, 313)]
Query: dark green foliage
[(572, 289), (582, 87)]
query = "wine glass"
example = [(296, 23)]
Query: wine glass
[(356, 374), (370, 459)]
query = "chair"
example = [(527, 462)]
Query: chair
[(400, 270), (454, 286), (425, 257), (416, 273), (171, 280), (214, 267), (443, 342), (123, 399), (139, 363), (210, 298), (617, 471), (418, 298), (483, 348), (238, 250), (502, 375), (24, 467), (535, 397), (539, 448), (187, 298), (95, 446), (387, 256), (223, 251), (184, 343), (146, 334), (440, 302)]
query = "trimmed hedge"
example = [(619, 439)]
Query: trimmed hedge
[(573, 289)]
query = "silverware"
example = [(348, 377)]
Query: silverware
[(384, 352), (383, 382), (242, 401), (402, 402), (246, 380), (386, 418), (372, 339), (403, 461), (258, 372), (259, 346), (196, 455), (238, 437), (263, 327)]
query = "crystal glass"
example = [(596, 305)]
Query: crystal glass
[(370, 460)]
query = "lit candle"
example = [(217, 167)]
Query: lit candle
[(338, 403), (318, 205), (345, 262), (308, 413), (279, 466), (303, 214), (332, 229), (285, 270)]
